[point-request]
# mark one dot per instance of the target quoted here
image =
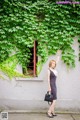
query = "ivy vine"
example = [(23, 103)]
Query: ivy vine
[(79, 48), (51, 24)]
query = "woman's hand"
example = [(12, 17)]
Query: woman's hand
[(59, 52), (49, 89)]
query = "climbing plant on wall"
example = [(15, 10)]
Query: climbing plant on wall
[(54, 26), (79, 48)]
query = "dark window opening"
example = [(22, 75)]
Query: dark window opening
[(32, 66)]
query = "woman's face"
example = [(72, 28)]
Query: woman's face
[(53, 64)]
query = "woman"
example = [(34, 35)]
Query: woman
[(52, 75)]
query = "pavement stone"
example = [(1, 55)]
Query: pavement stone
[(40, 116), (76, 117)]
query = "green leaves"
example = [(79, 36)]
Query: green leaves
[(68, 57), (8, 67), (52, 25)]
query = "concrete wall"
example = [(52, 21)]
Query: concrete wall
[(26, 94)]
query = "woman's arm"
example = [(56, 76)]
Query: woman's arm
[(58, 56), (49, 87)]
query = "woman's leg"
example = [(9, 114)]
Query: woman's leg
[(52, 107)]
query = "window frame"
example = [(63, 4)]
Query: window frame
[(32, 67)]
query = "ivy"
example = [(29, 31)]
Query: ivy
[(8, 67), (79, 48), (51, 24)]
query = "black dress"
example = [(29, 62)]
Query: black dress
[(53, 85)]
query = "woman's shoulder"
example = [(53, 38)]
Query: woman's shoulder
[(55, 72)]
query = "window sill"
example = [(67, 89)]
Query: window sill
[(34, 79)]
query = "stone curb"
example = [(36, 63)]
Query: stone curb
[(38, 112)]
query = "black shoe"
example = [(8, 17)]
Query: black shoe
[(53, 115), (49, 115)]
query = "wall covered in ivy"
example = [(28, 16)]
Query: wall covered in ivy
[(52, 25)]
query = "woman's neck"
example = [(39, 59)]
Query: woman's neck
[(51, 68)]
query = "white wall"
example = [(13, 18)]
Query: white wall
[(29, 94)]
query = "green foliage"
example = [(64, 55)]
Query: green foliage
[(8, 67), (79, 47), (51, 24)]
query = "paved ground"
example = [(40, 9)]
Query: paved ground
[(41, 116)]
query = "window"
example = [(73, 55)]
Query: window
[(32, 67)]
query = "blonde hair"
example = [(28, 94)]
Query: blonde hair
[(50, 63)]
